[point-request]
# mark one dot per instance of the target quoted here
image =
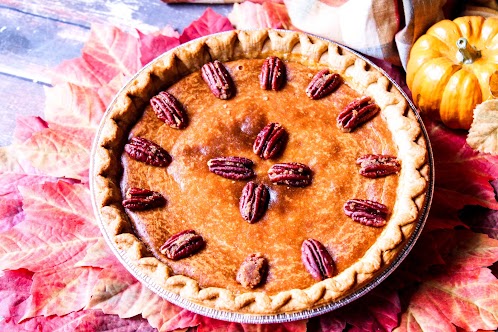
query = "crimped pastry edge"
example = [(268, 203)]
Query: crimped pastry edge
[(289, 45)]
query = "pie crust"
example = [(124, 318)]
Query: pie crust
[(128, 107)]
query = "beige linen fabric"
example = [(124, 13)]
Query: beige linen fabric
[(384, 29)]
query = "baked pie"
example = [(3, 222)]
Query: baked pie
[(260, 172)]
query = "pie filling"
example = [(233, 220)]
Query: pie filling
[(200, 200)]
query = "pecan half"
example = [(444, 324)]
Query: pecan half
[(169, 110), (272, 76), (218, 79), (291, 174), (182, 244), (234, 168), (270, 141), (356, 113), (378, 165), (323, 84), (252, 271), (366, 212), (317, 260), (146, 151), (253, 201), (138, 199)]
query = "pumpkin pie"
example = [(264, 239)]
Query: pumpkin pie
[(260, 172)]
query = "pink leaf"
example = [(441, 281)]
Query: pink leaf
[(210, 22), (187, 318), (81, 321), (462, 172), (206, 324), (60, 292), (108, 52), (465, 298), (465, 250), (250, 15), (460, 290), (448, 250), (14, 290), (99, 255), (108, 91), (154, 44), (11, 205), (442, 214), (376, 311), (168, 317), (72, 105), (481, 219), (118, 292), (56, 231), (59, 151), (26, 126)]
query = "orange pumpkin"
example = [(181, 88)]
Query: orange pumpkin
[(454, 67)]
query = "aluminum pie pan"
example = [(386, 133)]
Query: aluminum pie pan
[(232, 316)]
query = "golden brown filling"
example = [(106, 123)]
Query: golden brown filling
[(209, 204)]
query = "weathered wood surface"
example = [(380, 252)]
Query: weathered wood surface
[(37, 35)]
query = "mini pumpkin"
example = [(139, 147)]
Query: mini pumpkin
[(453, 67)]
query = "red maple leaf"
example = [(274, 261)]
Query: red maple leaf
[(251, 15), (210, 22)]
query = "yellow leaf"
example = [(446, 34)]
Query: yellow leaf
[(483, 134)]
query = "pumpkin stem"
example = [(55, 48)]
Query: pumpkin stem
[(466, 52)]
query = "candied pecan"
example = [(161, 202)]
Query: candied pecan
[(317, 260), (291, 174), (218, 79), (252, 271), (146, 151), (253, 201), (270, 141), (378, 165), (182, 244), (323, 84), (169, 110), (356, 113), (234, 168), (272, 76), (366, 212), (143, 199)]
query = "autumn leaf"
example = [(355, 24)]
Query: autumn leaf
[(15, 288), (58, 151), (154, 44), (108, 52), (57, 229), (378, 310), (210, 22), (11, 204), (462, 173), (71, 105), (99, 255), (466, 299), (483, 133), (206, 324), (481, 219), (250, 15), (118, 292), (463, 284), (60, 292), (80, 321)]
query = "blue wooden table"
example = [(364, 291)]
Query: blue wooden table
[(37, 35)]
